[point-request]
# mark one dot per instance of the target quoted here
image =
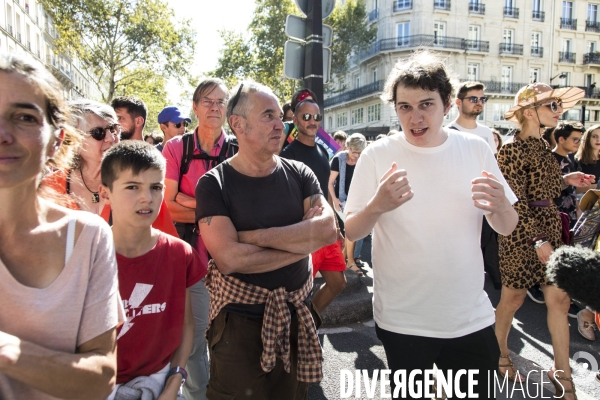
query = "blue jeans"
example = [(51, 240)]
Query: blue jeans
[(358, 247)]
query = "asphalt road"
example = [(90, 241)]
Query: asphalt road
[(356, 346)]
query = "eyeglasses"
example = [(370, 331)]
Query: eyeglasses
[(475, 99), (316, 117), (178, 125), (576, 141), (236, 98), (553, 105), (99, 133), (206, 102)]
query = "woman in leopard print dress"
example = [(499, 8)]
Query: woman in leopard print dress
[(535, 177)]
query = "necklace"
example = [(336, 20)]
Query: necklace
[(95, 195)]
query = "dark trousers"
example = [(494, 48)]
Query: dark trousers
[(235, 347), (476, 351)]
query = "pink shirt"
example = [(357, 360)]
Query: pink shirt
[(82, 303), (173, 153)]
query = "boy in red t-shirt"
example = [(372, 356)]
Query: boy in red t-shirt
[(155, 273)]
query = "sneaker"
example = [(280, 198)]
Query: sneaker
[(586, 328), (573, 310), (536, 295)]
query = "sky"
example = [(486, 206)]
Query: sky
[(208, 17)]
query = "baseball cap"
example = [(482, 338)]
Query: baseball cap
[(171, 114)]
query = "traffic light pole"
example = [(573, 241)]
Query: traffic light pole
[(313, 59)]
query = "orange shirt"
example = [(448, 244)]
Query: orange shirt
[(57, 181)]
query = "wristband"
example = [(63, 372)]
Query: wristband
[(541, 236), (178, 370)]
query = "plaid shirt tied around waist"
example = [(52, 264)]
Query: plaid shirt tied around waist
[(277, 320)]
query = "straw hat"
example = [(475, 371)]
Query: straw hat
[(538, 92)]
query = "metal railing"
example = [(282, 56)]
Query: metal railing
[(441, 5), (502, 87), (10, 31), (373, 15), (537, 51), (477, 8), (355, 93), (511, 12), (402, 5), (591, 58), (592, 26), (29, 46), (511, 48), (539, 16), (19, 37), (568, 23), (566, 56)]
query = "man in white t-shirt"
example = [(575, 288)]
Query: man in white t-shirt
[(425, 191), (470, 101)]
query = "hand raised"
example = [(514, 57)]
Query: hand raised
[(488, 193), (393, 191)]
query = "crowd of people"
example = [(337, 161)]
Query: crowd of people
[(181, 265)]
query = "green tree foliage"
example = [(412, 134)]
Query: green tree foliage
[(236, 61), (123, 42), (352, 33)]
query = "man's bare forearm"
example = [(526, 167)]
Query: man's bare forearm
[(303, 238), (505, 222), (249, 259), (181, 213), (361, 223)]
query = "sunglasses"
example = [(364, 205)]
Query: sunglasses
[(553, 105), (236, 98), (178, 125), (99, 133), (475, 99), (316, 117)]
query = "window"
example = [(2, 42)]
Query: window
[(439, 33), (507, 36), (474, 37), (356, 81), (508, 3), (566, 80), (500, 110), (357, 116), (374, 74), (534, 75), (329, 122), (592, 13), (506, 82), (342, 119), (566, 45), (374, 112), (403, 33), (591, 47), (536, 39), (473, 72), (537, 5), (567, 10), (588, 80)]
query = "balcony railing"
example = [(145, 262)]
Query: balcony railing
[(511, 12), (511, 48), (566, 56), (539, 16), (502, 87), (402, 5), (373, 15), (19, 37), (441, 5), (592, 26), (477, 8), (591, 58), (38, 54), (537, 51), (568, 23), (355, 93), (29, 46), (10, 31)]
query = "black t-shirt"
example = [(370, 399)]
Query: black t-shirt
[(591, 169), (315, 157), (567, 202), (258, 203), (335, 166)]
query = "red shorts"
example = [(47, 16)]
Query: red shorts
[(329, 258)]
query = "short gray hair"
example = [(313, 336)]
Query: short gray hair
[(356, 142), (241, 92), (79, 109)]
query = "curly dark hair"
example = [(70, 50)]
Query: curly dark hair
[(423, 70), (135, 107)]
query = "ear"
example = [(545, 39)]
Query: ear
[(458, 102), (447, 108), (104, 194), (237, 123), (139, 121), (295, 120)]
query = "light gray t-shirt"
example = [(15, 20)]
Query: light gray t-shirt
[(82, 303)]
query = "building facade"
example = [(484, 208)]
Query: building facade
[(26, 28), (504, 44)]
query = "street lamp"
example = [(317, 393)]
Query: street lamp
[(561, 75)]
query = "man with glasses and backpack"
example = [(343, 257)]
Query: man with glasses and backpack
[(470, 101)]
